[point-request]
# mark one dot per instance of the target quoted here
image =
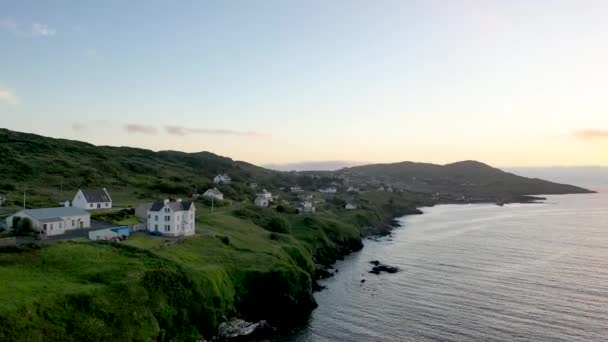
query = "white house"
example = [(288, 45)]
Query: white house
[(350, 206), (222, 179), (253, 185), (330, 190), (352, 189), (214, 194), (296, 189), (172, 218), (92, 199), (305, 197), (381, 188), (54, 221), (305, 208), (389, 189), (261, 201), (265, 193)]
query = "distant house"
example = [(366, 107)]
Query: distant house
[(2, 199), (305, 208), (296, 189), (253, 185), (381, 188), (305, 197), (352, 189), (92, 199), (214, 194), (172, 218), (389, 189), (350, 206), (222, 179), (54, 221), (110, 234), (329, 190), (265, 193), (261, 201)]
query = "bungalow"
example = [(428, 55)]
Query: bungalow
[(261, 201), (172, 218), (265, 193), (214, 194), (92, 199), (350, 206), (222, 179), (54, 221), (305, 208), (330, 190), (110, 234)]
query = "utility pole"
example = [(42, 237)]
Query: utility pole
[(23, 198), (212, 198)]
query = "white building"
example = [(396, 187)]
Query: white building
[(172, 218), (214, 194), (92, 199), (266, 194), (352, 189), (389, 189), (253, 185), (350, 206), (54, 221), (110, 234), (296, 189), (222, 179), (305, 197), (330, 190), (305, 208), (261, 201)]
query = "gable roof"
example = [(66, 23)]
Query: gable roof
[(96, 195), (213, 191), (175, 206), (53, 213)]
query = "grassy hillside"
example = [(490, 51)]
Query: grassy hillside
[(469, 178)]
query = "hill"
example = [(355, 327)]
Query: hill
[(467, 178)]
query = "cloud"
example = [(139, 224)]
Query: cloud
[(7, 96), (591, 134), (77, 126), (178, 130), (135, 128), (39, 29), (33, 29)]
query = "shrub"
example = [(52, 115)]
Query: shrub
[(278, 224), (225, 240)]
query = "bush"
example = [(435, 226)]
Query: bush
[(278, 224), (22, 226), (225, 240)]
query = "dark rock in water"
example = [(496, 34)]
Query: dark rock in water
[(323, 272), (362, 281), (316, 287), (379, 268), (240, 330)]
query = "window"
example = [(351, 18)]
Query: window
[(167, 227), (91, 205), (60, 225), (167, 210), (44, 226), (155, 217), (156, 227), (107, 205), (167, 218), (73, 223)]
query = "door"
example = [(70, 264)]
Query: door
[(98, 205), (81, 224)]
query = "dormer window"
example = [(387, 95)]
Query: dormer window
[(167, 210)]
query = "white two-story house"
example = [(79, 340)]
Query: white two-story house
[(172, 218), (222, 179), (89, 199)]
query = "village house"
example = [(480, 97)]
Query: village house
[(172, 218), (266, 194), (389, 189), (92, 199), (253, 185), (296, 189), (305, 197), (222, 179), (305, 208), (54, 221), (352, 189), (350, 206), (214, 194), (381, 188), (261, 201), (329, 190)]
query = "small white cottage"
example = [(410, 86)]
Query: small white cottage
[(214, 194), (265, 193), (172, 218), (261, 201), (350, 206), (92, 199), (222, 179), (305, 208), (54, 221)]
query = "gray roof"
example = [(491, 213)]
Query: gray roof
[(53, 213), (213, 191), (175, 206), (96, 195)]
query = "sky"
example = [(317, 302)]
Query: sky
[(510, 83)]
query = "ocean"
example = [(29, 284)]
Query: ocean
[(521, 272)]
